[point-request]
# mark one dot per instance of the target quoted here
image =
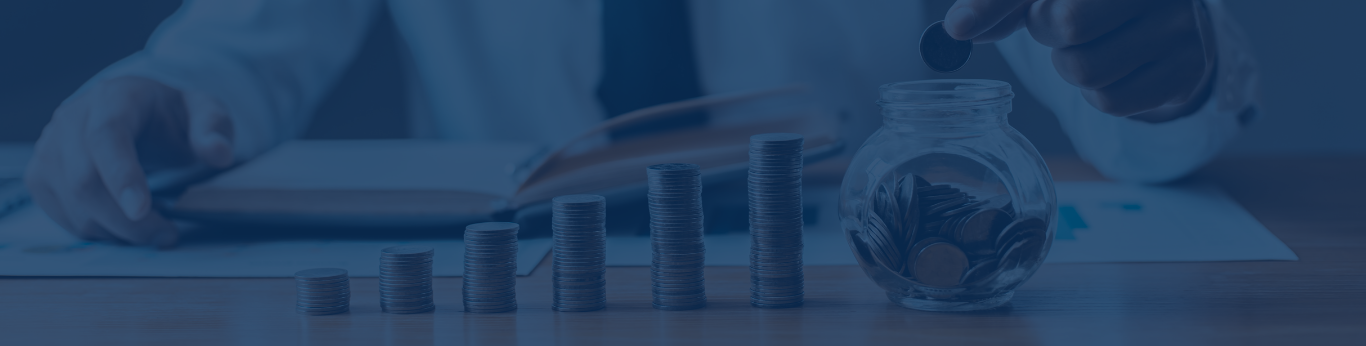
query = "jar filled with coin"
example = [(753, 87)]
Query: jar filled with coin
[(947, 207)]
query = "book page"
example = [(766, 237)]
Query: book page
[(382, 165)]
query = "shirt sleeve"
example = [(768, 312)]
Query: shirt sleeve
[(1135, 151), (269, 62)]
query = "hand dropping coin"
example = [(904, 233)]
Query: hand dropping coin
[(941, 52)]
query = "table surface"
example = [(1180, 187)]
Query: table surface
[(1310, 203)]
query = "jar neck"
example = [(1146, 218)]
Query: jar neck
[(945, 106), (945, 119)]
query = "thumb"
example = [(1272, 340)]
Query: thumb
[(211, 130)]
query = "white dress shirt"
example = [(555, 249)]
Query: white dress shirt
[(526, 70)]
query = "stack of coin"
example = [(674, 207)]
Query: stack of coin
[(490, 280), (323, 291), (577, 225), (405, 279), (675, 200), (775, 220)]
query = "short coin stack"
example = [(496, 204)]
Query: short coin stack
[(775, 220), (675, 199), (490, 279), (577, 224), (405, 279), (323, 291)]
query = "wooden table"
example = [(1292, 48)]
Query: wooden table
[(1312, 204)]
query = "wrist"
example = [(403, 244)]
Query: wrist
[(1203, 91)]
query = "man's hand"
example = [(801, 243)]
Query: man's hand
[(87, 170), (1141, 58)]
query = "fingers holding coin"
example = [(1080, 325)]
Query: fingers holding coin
[(1129, 57)]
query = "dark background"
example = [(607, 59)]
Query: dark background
[(1310, 53)]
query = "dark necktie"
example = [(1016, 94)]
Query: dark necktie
[(647, 60)]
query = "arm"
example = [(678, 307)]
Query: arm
[(267, 62), (219, 80), (1147, 90), (1143, 150)]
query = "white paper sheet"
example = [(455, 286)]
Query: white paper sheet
[(32, 245), (1110, 222), (1098, 222)]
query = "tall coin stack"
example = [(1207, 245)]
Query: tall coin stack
[(490, 279), (675, 199), (775, 220), (405, 279), (580, 243), (323, 291)]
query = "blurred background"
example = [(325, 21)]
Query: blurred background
[(1308, 51)]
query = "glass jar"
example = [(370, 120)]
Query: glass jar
[(946, 206)]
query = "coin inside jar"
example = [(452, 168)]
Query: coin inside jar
[(910, 210), (1023, 228), (887, 208), (884, 250), (939, 263), (978, 232), (980, 272), (1021, 244)]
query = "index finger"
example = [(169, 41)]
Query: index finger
[(968, 19)]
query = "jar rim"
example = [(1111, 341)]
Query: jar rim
[(944, 93)]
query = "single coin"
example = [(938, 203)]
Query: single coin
[(909, 203), (981, 272), (680, 308), (886, 208), (1022, 228), (569, 201), (320, 274), (923, 186), (1001, 201), (940, 264), (920, 182), (884, 249), (321, 313), (493, 309), (407, 251), (768, 304), (1023, 253), (911, 256), (687, 169), (932, 197), (681, 300), (941, 52), (949, 227), (932, 228), (862, 253), (407, 310), (942, 208), (965, 209), (493, 227), (978, 232)]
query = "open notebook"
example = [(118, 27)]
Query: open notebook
[(436, 183)]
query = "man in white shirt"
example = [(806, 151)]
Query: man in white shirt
[(1147, 89)]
